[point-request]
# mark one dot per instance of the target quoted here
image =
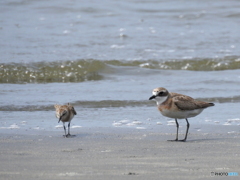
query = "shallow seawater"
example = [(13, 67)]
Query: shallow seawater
[(124, 104), (106, 57)]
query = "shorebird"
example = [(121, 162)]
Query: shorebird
[(178, 106), (65, 113)]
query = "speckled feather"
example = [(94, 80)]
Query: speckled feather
[(65, 113)]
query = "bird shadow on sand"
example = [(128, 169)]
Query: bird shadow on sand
[(75, 136), (202, 140), (80, 135)]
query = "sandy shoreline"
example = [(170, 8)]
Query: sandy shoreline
[(119, 153)]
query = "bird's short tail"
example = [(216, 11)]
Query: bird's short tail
[(211, 104)]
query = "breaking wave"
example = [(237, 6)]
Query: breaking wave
[(108, 104), (93, 70)]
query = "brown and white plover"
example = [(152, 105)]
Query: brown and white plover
[(177, 106)]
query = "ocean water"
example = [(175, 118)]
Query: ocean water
[(106, 57)]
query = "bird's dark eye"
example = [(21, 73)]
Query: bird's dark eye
[(161, 93)]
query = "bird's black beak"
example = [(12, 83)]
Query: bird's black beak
[(152, 97), (74, 112)]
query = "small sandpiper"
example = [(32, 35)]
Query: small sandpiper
[(65, 113), (178, 106)]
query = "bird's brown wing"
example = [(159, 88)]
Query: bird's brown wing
[(187, 103)]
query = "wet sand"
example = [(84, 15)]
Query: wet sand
[(119, 153)]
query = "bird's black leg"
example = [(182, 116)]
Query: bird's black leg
[(177, 131), (64, 129), (69, 129), (188, 125)]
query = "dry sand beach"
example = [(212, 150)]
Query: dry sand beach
[(119, 153)]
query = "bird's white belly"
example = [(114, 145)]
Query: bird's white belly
[(181, 114)]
